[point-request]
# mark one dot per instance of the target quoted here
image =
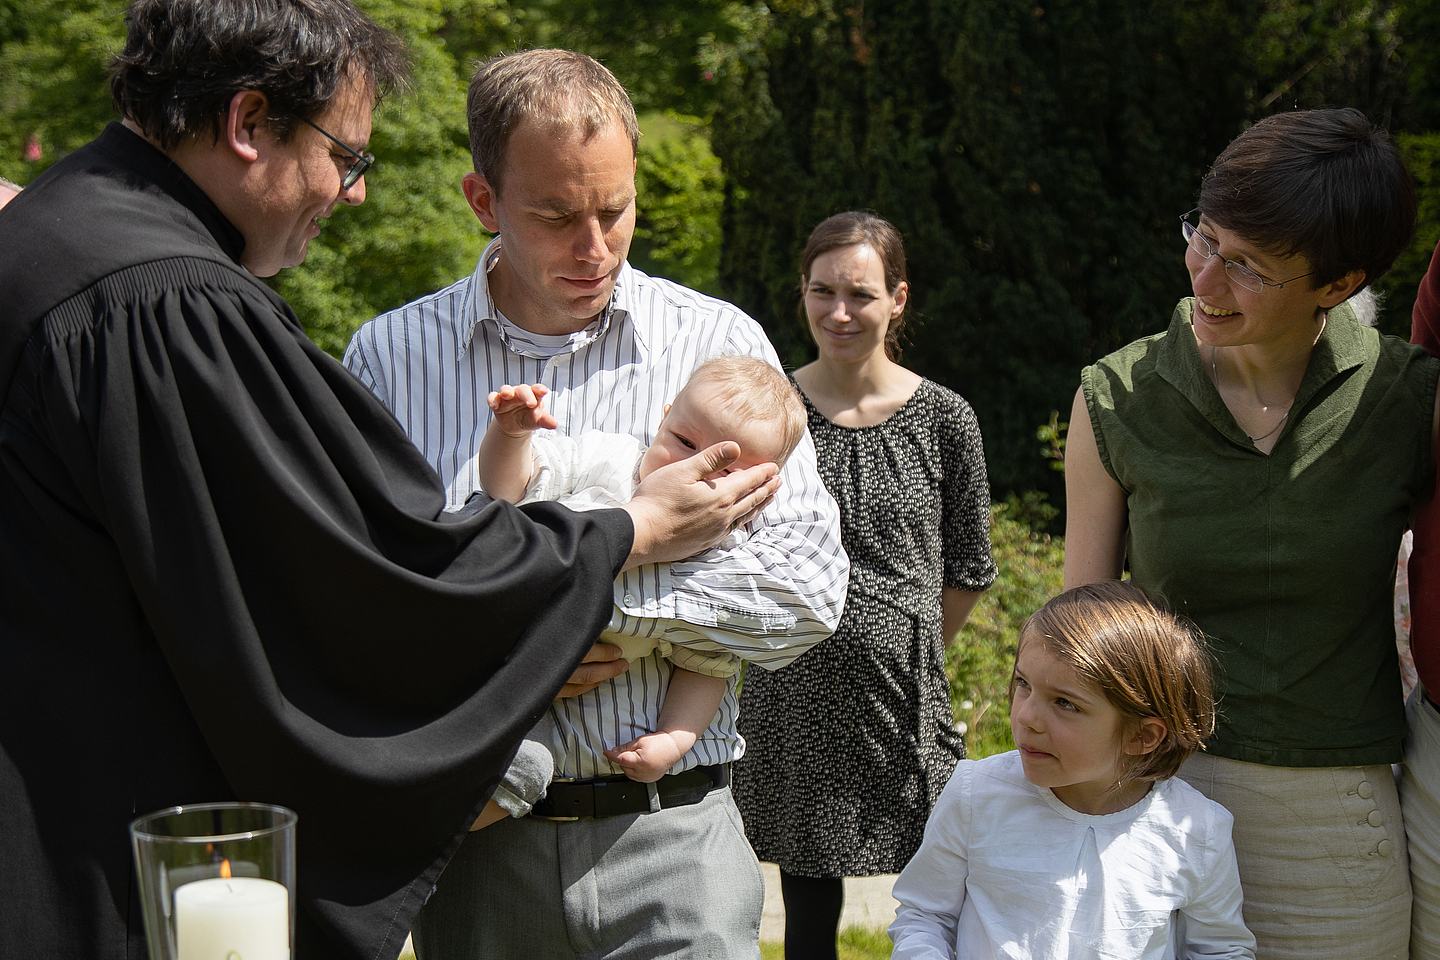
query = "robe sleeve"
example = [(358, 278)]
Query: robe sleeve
[(965, 499), (345, 647)]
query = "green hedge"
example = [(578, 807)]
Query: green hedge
[(979, 662)]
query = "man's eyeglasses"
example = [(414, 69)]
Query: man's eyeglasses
[(1238, 272), (363, 161)]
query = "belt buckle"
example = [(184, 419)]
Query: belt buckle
[(541, 816)]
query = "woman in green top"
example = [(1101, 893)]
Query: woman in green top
[(1256, 464)]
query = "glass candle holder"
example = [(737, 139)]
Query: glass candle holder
[(217, 881)]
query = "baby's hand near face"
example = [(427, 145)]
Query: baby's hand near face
[(647, 758), (520, 410)]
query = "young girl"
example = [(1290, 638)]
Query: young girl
[(1079, 843)]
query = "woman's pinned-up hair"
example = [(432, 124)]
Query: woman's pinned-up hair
[(1142, 658), (1324, 184), (184, 61)]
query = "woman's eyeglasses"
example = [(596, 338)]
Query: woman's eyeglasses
[(1238, 272)]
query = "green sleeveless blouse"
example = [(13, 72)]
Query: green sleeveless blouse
[(1286, 562)]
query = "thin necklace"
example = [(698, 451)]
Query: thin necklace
[(1215, 376)]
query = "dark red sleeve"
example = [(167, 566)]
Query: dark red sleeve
[(1425, 557), (1425, 321)]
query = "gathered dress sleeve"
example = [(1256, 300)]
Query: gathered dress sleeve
[(965, 521)]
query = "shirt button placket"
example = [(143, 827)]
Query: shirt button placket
[(555, 368)]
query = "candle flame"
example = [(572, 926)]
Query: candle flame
[(225, 869)]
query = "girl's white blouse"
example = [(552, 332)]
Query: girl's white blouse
[(1008, 870)]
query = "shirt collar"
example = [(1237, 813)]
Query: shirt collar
[(478, 307), (1341, 347)]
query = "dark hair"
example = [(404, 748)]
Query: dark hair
[(1323, 184), (560, 88), (184, 61), (1143, 660), (859, 228)]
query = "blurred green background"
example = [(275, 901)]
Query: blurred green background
[(1036, 156)]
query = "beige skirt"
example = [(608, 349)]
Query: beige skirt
[(1322, 857)]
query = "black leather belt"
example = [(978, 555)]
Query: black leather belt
[(617, 795)]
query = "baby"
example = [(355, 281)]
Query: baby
[(740, 399)]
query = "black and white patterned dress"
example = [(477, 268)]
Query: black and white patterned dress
[(849, 746)]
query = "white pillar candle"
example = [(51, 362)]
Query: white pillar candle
[(232, 918)]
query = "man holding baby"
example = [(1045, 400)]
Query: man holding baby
[(665, 871)]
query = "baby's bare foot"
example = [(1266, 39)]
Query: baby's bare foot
[(647, 758)]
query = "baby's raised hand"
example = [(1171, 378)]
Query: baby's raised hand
[(520, 410)]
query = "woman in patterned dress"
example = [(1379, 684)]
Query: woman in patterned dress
[(850, 745)]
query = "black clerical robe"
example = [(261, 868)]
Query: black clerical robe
[(225, 573)]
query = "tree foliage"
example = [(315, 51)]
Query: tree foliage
[(669, 54), (1036, 158), (1035, 153), (1399, 286), (54, 90), (1419, 30), (677, 229), (1327, 53)]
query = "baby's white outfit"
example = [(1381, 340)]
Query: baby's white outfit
[(597, 470)]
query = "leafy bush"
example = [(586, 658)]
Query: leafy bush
[(1399, 286), (979, 663), (681, 190)]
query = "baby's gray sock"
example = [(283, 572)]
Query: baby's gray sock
[(527, 779)]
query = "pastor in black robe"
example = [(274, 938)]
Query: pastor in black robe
[(225, 572)]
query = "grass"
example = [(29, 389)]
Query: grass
[(855, 943)]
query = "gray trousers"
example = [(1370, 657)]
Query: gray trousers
[(681, 882)]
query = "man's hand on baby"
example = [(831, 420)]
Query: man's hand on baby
[(520, 410), (647, 758), (678, 512), (603, 662)]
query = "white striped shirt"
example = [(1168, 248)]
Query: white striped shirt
[(433, 361)]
